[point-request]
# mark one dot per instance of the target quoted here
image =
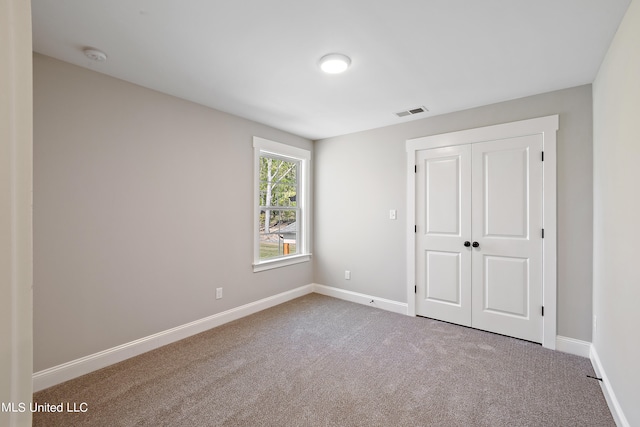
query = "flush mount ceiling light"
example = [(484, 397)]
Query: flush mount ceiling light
[(95, 54), (334, 63)]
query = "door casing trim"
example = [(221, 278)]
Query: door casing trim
[(546, 126)]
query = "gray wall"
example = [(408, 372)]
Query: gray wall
[(142, 207), (616, 276), (360, 177), (16, 145)]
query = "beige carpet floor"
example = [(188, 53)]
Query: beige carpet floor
[(320, 361)]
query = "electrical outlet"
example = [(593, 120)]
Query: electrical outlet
[(347, 275), (218, 293)]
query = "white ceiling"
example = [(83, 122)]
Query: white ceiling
[(258, 58)]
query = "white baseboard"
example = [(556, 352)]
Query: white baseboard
[(385, 304), (84, 365), (609, 395), (573, 346)]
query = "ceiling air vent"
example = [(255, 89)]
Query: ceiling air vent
[(412, 111)]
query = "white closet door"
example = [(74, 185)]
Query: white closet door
[(443, 224), (507, 222)]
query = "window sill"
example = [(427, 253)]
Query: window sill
[(281, 262)]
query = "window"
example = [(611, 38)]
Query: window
[(281, 204)]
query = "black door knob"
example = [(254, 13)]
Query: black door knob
[(467, 244), (476, 244)]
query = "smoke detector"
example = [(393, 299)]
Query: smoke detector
[(95, 54)]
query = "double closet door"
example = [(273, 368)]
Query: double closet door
[(479, 220)]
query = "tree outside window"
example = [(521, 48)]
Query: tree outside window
[(281, 209), (278, 207)]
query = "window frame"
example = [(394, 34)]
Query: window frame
[(279, 150)]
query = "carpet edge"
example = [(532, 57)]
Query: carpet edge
[(370, 300), (84, 365), (607, 390)]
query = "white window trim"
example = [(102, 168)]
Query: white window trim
[(265, 146)]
